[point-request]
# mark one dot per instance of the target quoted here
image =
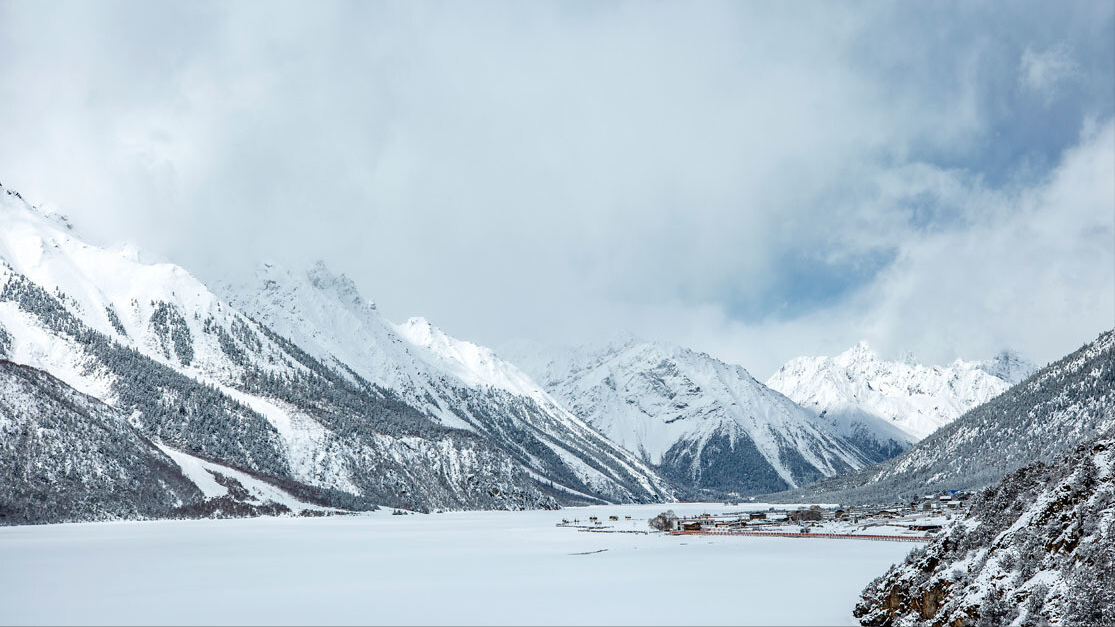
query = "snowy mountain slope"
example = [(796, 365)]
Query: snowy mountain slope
[(160, 310), (858, 390), (1061, 405), (46, 333), (230, 492), (454, 382), (1037, 548), (68, 457), (703, 423), (65, 456), (195, 374)]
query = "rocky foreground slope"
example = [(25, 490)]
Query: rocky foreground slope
[(1036, 548)]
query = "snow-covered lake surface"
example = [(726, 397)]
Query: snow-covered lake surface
[(453, 568)]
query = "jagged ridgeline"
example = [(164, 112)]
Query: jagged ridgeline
[(446, 468), (1037, 548), (1061, 405), (454, 382), (887, 406)]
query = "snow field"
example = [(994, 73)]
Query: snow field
[(452, 568)]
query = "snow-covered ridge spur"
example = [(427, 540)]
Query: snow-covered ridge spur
[(72, 458), (707, 425)]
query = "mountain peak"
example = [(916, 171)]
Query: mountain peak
[(421, 331), (272, 276), (244, 377), (624, 339), (48, 213), (1009, 366), (324, 279), (858, 353), (472, 363), (916, 398)]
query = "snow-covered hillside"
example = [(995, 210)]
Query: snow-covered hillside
[(894, 403), (199, 376), (1038, 548), (65, 456), (454, 382), (703, 423), (148, 339)]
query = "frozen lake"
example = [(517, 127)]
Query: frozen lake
[(455, 568)]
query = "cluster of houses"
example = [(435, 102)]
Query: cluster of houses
[(732, 521), (942, 502), (925, 515)]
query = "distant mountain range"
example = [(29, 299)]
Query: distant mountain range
[(894, 402), (1056, 408)]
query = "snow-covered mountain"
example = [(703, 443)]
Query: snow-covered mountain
[(703, 423), (885, 406), (1061, 405), (1038, 548), (194, 374), (455, 382)]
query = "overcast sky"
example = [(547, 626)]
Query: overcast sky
[(755, 180)]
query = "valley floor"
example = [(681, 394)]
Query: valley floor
[(452, 568)]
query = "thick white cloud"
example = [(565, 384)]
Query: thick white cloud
[(564, 171), (1034, 270)]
